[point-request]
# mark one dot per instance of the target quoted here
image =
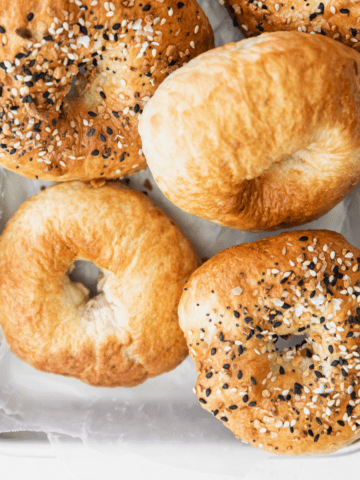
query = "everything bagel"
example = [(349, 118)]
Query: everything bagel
[(55, 128), (337, 20), (234, 309), (265, 132), (128, 332)]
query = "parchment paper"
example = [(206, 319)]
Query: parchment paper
[(161, 419)]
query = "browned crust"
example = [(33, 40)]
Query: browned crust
[(148, 260), (92, 131), (337, 20), (233, 294), (265, 131)]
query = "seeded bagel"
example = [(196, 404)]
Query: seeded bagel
[(234, 310), (337, 20), (76, 75)]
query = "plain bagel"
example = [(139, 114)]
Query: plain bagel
[(128, 332), (337, 19), (76, 75), (234, 310), (264, 132)]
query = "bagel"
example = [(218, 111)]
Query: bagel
[(113, 54), (337, 20), (264, 132), (235, 307), (128, 332)]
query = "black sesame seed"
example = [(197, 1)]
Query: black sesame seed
[(94, 153), (240, 350), (329, 430), (109, 131), (233, 407), (311, 433), (331, 349), (102, 95), (248, 319), (316, 438), (239, 374), (226, 366), (146, 8), (341, 423), (303, 239), (30, 17), (282, 371), (344, 10), (180, 5), (92, 114), (286, 306), (90, 132), (224, 419), (215, 412), (213, 351), (236, 314), (136, 108), (207, 392), (221, 337), (209, 375), (102, 138), (28, 99), (48, 38), (253, 381), (225, 386), (2, 29), (252, 404), (349, 410), (245, 398), (318, 421), (202, 400), (319, 374), (116, 26)]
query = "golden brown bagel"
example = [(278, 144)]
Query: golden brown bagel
[(119, 51), (129, 332), (234, 308), (264, 132), (336, 19)]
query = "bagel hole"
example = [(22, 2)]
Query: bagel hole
[(86, 273), (285, 342)]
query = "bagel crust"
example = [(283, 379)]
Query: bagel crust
[(337, 20), (265, 132), (76, 74), (235, 307), (128, 332)]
